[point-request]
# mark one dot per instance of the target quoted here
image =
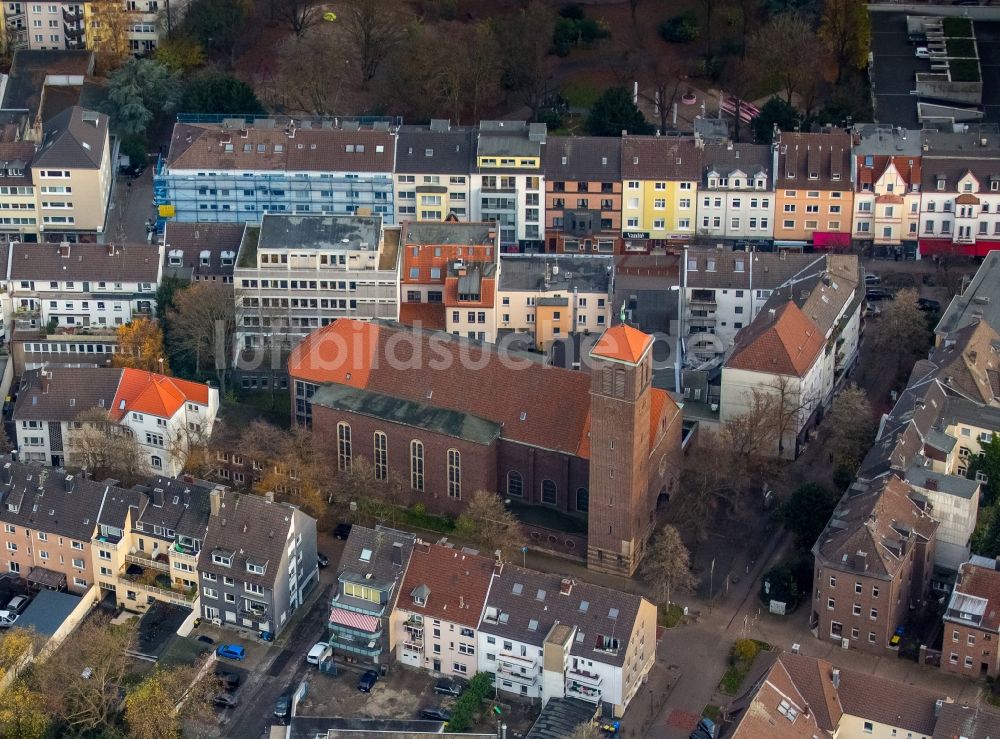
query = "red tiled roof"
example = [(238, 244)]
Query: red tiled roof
[(967, 198), (623, 343), (908, 168), (487, 294), (785, 344), (424, 257), (154, 394), (458, 583), (423, 315)]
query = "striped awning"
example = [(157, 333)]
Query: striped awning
[(353, 620)]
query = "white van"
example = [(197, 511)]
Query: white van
[(7, 619), (319, 652)]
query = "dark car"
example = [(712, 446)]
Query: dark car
[(225, 700), (704, 730), (878, 293), (342, 530), (447, 686), (435, 714), (206, 639), (322, 560), (229, 680), (929, 306), (367, 681), (283, 706)]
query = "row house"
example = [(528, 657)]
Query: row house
[(450, 433), (202, 252), (258, 562), (165, 415), (294, 274), (74, 24), (437, 613), (432, 256), (960, 201), (813, 190), (971, 624), (736, 197), (551, 297), (886, 163), (873, 565), (508, 182), (235, 171), (660, 191), (369, 584), (433, 172), (545, 636), (583, 195)]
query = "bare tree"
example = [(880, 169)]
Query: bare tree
[(312, 70), (784, 53), (488, 523), (667, 75), (901, 332), (104, 448), (202, 326), (375, 29), (523, 42), (589, 731), (790, 408), (851, 425), (667, 565), (300, 15)]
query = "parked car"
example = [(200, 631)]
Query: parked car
[(367, 681), (229, 680), (7, 619), (206, 639), (448, 686), (435, 714), (872, 279), (231, 651), (342, 530), (704, 730), (318, 652), (929, 306), (18, 603), (922, 52), (225, 700), (878, 293), (283, 706), (322, 560)]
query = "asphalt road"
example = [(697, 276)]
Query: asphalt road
[(282, 669)]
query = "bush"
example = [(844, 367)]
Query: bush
[(573, 11), (744, 650), (680, 29), (134, 147), (463, 713)]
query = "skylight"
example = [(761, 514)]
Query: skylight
[(613, 613), (366, 555), (517, 589)]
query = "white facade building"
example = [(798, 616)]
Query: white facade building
[(736, 198)]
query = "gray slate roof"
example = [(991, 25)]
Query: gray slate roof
[(408, 413), (386, 574), (194, 238), (528, 272), (726, 157), (75, 139), (583, 158), (93, 262), (421, 150), (560, 717), (184, 507), (733, 269), (71, 392), (447, 232), (960, 487), (970, 722), (980, 301), (526, 595), (47, 611)]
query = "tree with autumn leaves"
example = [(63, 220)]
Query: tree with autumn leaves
[(140, 346)]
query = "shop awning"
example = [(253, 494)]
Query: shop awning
[(353, 620), (947, 247), (831, 240)]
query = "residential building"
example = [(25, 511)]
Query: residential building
[(781, 356), (971, 623), (583, 194), (164, 414), (979, 302), (202, 252), (508, 182), (45, 83), (960, 201), (814, 194), (433, 172), (873, 565), (886, 166), (294, 274), (369, 579), (424, 405), (432, 256), (550, 297), (660, 191), (736, 194), (144, 20), (235, 171), (81, 287), (954, 504), (257, 563), (438, 608), (545, 636), (973, 722), (799, 697)]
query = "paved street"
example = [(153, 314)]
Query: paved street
[(131, 206)]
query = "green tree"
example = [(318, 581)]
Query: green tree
[(667, 565), (845, 31), (774, 113), (215, 24), (988, 463), (218, 92), (806, 513), (138, 91), (180, 53), (488, 523), (779, 584), (614, 112), (150, 706), (902, 331), (988, 545)]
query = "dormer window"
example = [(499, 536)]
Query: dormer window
[(940, 184), (967, 187), (226, 560), (255, 569)]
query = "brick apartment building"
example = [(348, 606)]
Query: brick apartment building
[(873, 564), (450, 417), (971, 642)]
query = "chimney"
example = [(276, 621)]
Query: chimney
[(565, 586), (46, 381), (215, 501), (836, 679), (68, 483), (397, 554), (269, 496)]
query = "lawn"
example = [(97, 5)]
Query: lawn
[(964, 70), (670, 616), (957, 27), (741, 659), (961, 48), (581, 93)]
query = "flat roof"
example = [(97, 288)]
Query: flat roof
[(47, 612), (319, 232), (533, 272), (448, 232), (980, 301)]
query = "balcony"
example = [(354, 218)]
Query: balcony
[(516, 660), (584, 677), (499, 188), (156, 583), (516, 676), (72, 16), (414, 647), (72, 32), (584, 692), (256, 610), (147, 563), (702, 298), (188, 554)]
